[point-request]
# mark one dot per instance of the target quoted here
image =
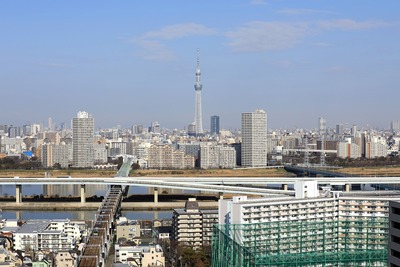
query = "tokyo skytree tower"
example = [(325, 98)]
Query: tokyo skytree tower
[(198, 120)]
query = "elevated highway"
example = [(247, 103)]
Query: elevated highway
[(234, 185)]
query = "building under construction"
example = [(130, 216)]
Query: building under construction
[(341, 230), (301, 243)]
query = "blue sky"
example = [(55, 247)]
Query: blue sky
[(133, 62)]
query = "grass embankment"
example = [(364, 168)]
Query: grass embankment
[(393, 171), (149, 173), (362, 171), (215, 173), (57, 173)]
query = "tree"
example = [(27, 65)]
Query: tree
[(57, 166), (190, 257), (135, 166)]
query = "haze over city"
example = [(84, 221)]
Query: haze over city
[(134, 62)]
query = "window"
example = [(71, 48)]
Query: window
[(395, 253), (395, 210), (395, 239), (396, 225)]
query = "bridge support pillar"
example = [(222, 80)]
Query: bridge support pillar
[(18, 193), (347, 187), (221, 195), (83, 193), (285, 187), (155, 195)]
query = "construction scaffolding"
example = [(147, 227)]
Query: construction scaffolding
[(301, 243)]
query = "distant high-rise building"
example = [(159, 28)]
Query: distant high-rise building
[(137, 129), (4, 128), (14, 131), (83, 140), (50, 124), (198, 120), (155, 127), (36, 128), (26, 129), (394, 234), (339, 129), (254, 139), (322, 125), (214, 127), (354, 130), (395, 126)]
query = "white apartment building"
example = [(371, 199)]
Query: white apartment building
[(139, 256), (254, 139), (376, 148), (193, 227), (142, 151), (26, 237), (214, 156), (62, 154), (227, 158), (55, 240), (52, 154), (100, 153), (351, 216), (116, 148), (11, 145), (83, 140), (209, 219), (71, 229), (348, 150), (57, 235), (46, 155), (165, 157)]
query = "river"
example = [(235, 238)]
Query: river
[(73, 190)]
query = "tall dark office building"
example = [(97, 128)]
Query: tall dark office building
[(394, 234), (214, 128)]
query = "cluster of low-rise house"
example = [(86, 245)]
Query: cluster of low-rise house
[(48, 243), (139, 243), (41, 242)]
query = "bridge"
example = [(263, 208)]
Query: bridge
[(101, 235), (233, 185)]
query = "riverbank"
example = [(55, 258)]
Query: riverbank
[(125, 206), (239, 172)]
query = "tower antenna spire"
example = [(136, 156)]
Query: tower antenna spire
[(198, 58)]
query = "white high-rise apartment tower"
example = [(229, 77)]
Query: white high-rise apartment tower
[(254, 139), (83, 140)]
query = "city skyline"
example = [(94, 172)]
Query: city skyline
[(132, 62)]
